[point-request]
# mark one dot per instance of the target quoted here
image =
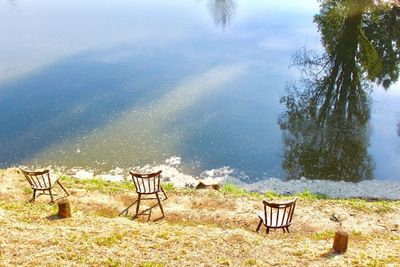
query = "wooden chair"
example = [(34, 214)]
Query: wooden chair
[(277, 215), (147, 184), (42, 181)]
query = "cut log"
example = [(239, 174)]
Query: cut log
[(340, 242), (208, 184), (64, 208)]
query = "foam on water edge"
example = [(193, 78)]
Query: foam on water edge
[(171, 173)]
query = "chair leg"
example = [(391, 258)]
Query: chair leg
[(287, 229), (51, 196), (34, 195), (58, 182), (165, 195), (267, 230), (159, 203), (258, 227), (138, 204), (283, 228)]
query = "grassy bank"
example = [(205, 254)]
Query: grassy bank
[(201, 227)]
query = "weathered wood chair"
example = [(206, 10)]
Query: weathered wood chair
[(147, 184), (277, 215), (42, 181)]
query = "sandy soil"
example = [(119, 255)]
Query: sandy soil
[(313, 225)]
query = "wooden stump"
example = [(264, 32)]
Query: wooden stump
[(208, 184), (64, 208), (340, 242)]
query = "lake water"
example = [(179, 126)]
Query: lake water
[(103, 84)]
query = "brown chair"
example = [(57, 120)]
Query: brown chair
[(277, 215), (42, 181), (147, 184)]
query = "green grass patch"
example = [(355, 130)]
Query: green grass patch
[(109, 241), (97, 184), (308, 195), (168, 186), (28, 190), (29, 212), (235, 190), (151, 264), (251, 262), (366, 260), (232, 189), (326, 235), (224, 262), (29, 208), (363, 205), (163, 235), (272, 195), (113, 262)]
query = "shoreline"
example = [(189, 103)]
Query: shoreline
[(370, 189)]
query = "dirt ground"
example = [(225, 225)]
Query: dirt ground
[(207, 227)]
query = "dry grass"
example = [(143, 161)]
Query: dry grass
[(201, 228)]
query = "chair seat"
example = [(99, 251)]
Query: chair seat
[(152, 191)]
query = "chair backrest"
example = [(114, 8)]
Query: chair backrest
[(147, 183), (38, 179), (279, 214)]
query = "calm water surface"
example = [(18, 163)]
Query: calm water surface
[(100, 84)]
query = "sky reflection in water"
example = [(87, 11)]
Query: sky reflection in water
[(101, 85)]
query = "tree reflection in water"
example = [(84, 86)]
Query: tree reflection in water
[(325, 126), (13, 4), (398, 128), (222, 11)]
